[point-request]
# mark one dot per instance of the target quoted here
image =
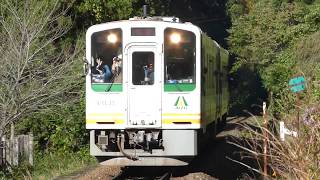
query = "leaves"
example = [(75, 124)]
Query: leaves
[(281, 38), (104, 11), (34, 71), (58, 130), (266, 35)]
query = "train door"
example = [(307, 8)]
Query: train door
[(144, 86)]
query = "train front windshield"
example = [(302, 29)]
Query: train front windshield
[(179, 59), (106, 60)]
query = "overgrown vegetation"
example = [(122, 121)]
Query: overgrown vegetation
[(280, 39), (51, 165), (293, 158)]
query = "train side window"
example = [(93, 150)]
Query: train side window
[(106, 60), (179, 59), (142, 68)]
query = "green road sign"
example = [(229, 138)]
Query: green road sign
[(297, 84)]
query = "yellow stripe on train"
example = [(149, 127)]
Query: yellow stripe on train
[(177, 114), (179, 118), (168, 118), (181, 121), (105, 121)]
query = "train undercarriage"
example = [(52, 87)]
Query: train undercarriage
[(144, 147)]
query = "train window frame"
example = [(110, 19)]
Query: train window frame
[(186, 45), (107, 50)]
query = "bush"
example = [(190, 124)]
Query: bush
[(49, 165), (60, 142), (61, 129), (282, 40)]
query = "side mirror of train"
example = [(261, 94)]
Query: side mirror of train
[(85, 67)]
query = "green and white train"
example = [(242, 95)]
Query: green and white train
[(153, 86)]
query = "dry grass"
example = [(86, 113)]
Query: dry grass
[(294, 158)]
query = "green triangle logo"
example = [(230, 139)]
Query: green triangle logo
[(181, 103)]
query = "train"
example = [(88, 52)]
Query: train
[(154, 87)]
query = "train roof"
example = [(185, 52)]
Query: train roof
[(157, 18), (174, 20)]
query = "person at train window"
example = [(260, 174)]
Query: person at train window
[(116, 69), (151, 74), (148, 74), (103, 70)]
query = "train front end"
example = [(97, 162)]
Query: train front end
[(143, 91)]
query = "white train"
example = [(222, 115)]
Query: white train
[(153, 86)]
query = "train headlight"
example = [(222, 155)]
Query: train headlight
[(175, 38), (112, 38)]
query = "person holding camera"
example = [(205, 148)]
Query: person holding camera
[(116, 69)]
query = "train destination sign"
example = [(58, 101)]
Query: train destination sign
[(297, 84)]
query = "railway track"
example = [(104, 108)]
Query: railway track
[(144, 173)]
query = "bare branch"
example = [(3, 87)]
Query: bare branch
[(34, 71)]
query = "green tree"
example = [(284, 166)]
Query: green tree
[(266, 35), (281, 40), (103, 11)]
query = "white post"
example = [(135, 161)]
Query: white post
[(281, 130), (284, 131)]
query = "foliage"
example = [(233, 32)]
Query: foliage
[(281, 39), (247, 92), (35, 73), (89, 12), (40, 76), (266, 36), (58, 130), (308, 56), (103, 11), (294, 158), (52, 165)]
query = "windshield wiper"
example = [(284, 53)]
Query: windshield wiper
[(177, 86), (111, 83)]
